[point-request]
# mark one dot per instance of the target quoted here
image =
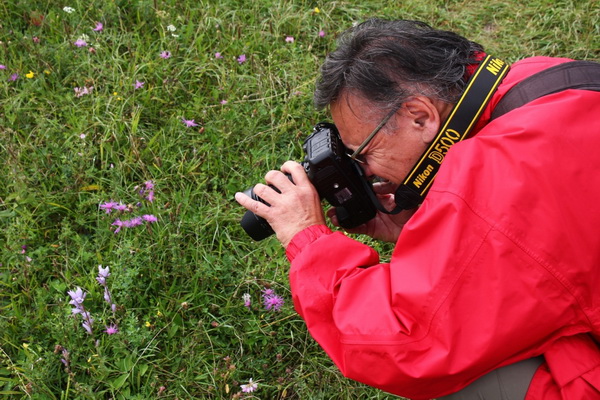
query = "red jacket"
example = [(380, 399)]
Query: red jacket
[(500, 263)]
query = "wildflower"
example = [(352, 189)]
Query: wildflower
[(165, 54), (171, 28), (103, 273), (289, 39), (138, 85), (29, 75), (2, 66), (246, 298), (82, 91), (317, 11), (189, 122), (82, 136), (119, 224), (13, 77), (223, 102), (80, 43), (111, 329), (321, 33), (149, 218), (99, 27), (218, 55), (68, 10), (272, 301), (250, 387), (77, 298), (35, 39), (241, 59)]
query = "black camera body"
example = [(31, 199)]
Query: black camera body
[(336, 177)]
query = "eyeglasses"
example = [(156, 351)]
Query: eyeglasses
[(354, 156)]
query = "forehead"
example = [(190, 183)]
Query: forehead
[(352, 113)]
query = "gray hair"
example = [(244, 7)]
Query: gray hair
[(386, 62)]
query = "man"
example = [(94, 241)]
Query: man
[(492, 290)]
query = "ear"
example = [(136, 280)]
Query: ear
[(424, 117)]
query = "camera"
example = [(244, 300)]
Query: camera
[(336, 177)]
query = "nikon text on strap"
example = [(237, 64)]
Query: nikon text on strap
[(459, 123)]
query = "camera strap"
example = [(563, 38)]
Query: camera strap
[(459, 123)]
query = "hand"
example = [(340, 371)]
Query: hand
[(297, 207), (386, 227)]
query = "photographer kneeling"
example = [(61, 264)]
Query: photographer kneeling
[(492, 288)]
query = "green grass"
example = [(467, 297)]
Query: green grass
[(178, 284)]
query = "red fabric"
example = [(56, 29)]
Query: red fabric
[(501, 263)]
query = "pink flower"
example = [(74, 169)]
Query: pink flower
[(321, 33), (111, 329), (138, 85), (165, 54), (149, 218), (223, 102), (80, 43), (99, 27), (289, 39), (218, 55), (189, 122), (2, 66), (241, 59), (250, 387), (82, 91)]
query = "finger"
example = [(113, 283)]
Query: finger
[(254, 206), (297, 171), (278, 179)]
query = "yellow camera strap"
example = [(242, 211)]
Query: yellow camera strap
[(459, 123)]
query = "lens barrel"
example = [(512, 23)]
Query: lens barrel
[(256, 227)]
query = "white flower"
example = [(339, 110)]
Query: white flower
[(250, 387), (68, 10), (171, 28)]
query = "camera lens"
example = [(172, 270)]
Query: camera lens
[(256, 227)]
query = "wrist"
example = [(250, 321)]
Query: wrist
[(304, 238)]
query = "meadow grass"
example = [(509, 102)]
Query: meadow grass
[(178, 283)]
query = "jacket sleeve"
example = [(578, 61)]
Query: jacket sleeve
[(459, 298)]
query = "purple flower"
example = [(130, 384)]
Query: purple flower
[(189, 122), (80, 43), (138, 85), (223, 102), (2, 66), (321, 33), (99, 27), (13, 77), (241, 59), (246, 298), (103, 273), (77, 296), (111, 329), (108, 206), (82, 91), (165, 54), (271, 301), (250, 387), (289, 39), (218, 55), (119, 224), (121, 207), (149, 218)]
